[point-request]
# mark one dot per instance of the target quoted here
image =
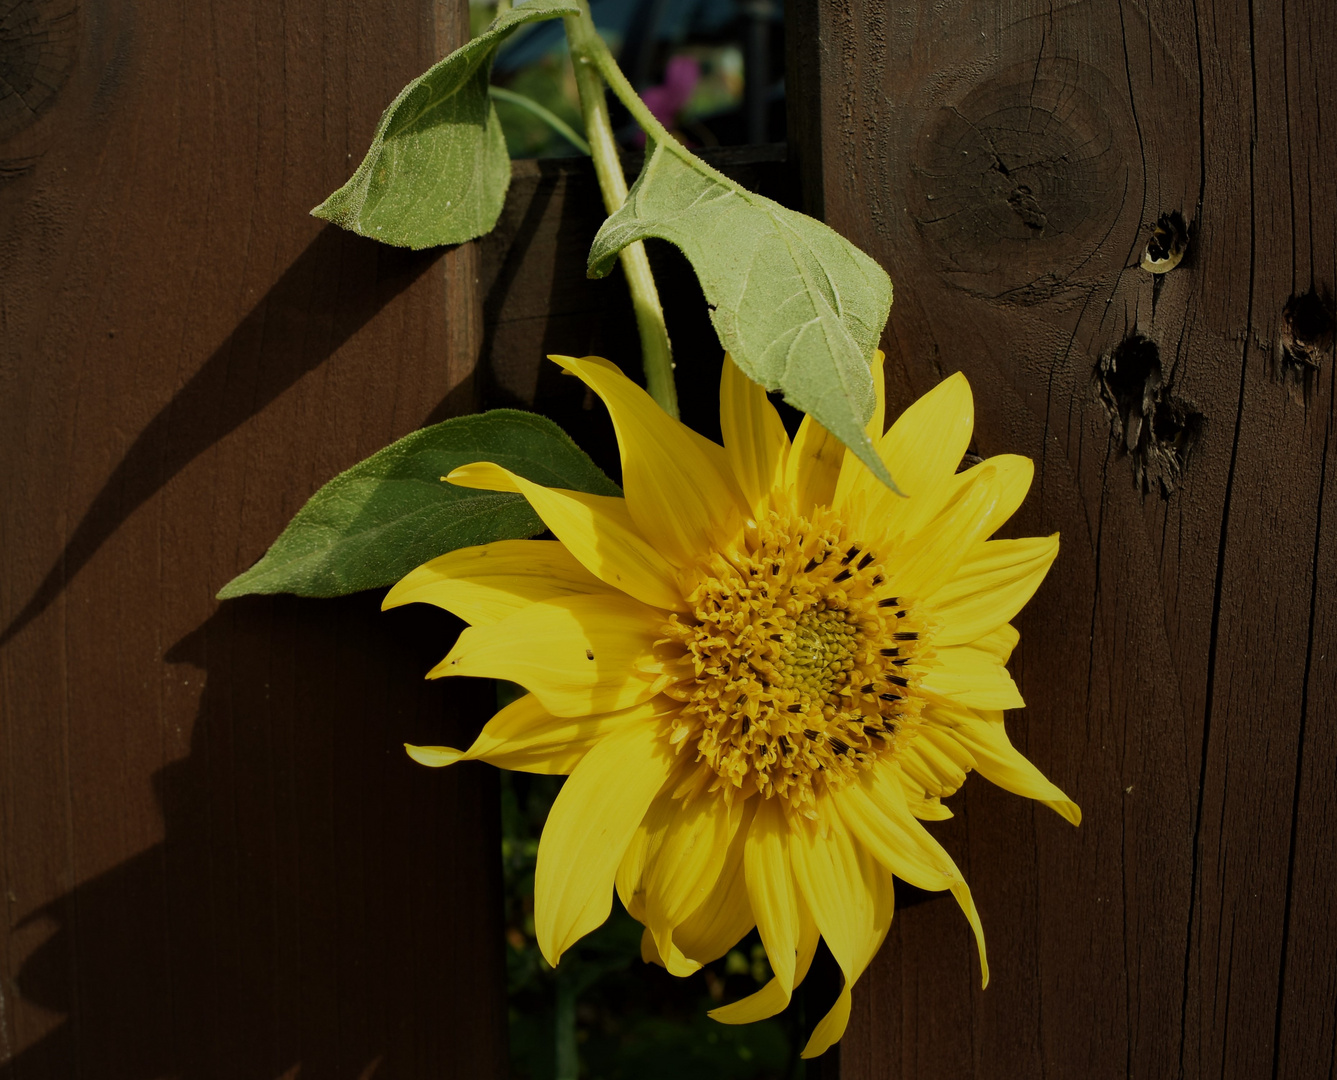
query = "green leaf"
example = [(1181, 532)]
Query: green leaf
[(797, 305), (371, 525), (438, 170)]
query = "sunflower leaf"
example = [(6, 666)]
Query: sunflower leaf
[(371, 525), (797, 305), (437, 170)]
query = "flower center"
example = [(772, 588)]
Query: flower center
[(797, 668)]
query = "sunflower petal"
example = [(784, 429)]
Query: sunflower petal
[(587, 831), (577, 654), (922, 450), (679, 486), (483, 585), (990, 587), (596, 529), (683, 868), (725, 915), (773, 997), (851, 901), (1015, 474), (963, 675), (754, 436), (852, 470), (878, 815), (929, 767), (832, 1025), (525, 737), (933, 556), (881, 822), (813, 466), (771, 890), (998, 761)]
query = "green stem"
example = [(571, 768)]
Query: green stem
[(550, 118), (640, 111), (656, 353), (567, 1059)]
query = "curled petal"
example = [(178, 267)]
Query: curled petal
[(587, 832), (483, 585), (525, 737), (577, 654)]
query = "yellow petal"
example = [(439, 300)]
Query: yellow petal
[(772, 892), (998, 643), (832, 1025), (931, 768), (525, 737), (933, 556), (679, 486), (773, 997), (813, 466), (724, 916), (876, 811), (483, 585), (596, 529), (851, 901), (588, 829), (1000, 762), (630, 877), (924, 806), (964, 675), (853, 472), (922, 450), (994, 582), (577, 654), (683, 868), (878, 815), (753, 436), (1014, 478)]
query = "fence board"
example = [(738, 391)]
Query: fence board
[(1005, 165), (217, 860)]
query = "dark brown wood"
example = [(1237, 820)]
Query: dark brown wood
[(217, 861), (1006, 165)]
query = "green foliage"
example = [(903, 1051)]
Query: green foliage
[(371, 525), (438, 170), (797, 305)]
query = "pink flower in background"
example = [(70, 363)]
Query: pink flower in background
[(668, 99)]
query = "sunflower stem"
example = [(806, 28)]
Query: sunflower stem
[(567, 1063), (589, 56)]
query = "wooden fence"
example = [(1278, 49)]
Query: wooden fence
[(217, 862)]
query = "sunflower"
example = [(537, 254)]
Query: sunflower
[(762, 670)]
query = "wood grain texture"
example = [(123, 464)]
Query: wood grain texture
[(1006, 165), (217, 861)]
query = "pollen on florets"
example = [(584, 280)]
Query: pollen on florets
[(795, 665)]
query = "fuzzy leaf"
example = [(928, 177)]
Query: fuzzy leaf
[(438, 169), (371, 525), (797, 305)]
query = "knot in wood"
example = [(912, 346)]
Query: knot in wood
[(38, 47), (1018, 181)]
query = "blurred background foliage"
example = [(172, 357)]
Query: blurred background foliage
[(712, 71), (690, 59)]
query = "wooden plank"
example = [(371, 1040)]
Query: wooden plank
[(217, 860), (1005, 166)]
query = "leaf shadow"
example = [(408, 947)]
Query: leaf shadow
[(300, 914), (328, 293)]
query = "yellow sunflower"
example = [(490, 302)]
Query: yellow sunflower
[(761, 669)]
